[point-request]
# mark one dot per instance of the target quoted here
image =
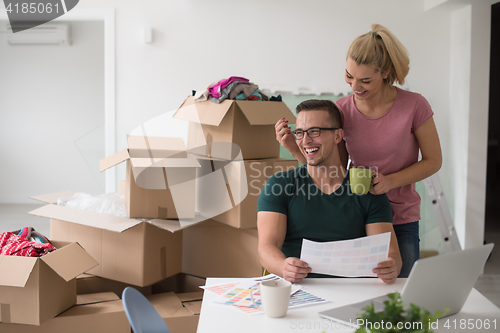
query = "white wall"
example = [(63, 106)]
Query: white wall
[(460, 63), (478, 123), (52, 115)]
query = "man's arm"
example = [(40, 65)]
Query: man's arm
[(272, 231), (387, 270)]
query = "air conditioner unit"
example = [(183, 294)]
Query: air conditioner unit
[(45, 34)]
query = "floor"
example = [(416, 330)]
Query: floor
[(13, 217)]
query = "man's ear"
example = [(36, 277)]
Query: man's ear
[(339, 135)]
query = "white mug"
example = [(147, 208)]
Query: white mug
[(274, 297)]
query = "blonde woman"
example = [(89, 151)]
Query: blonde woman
[(384, 128)]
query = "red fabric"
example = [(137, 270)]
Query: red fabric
[(253, 98), (14, 245)]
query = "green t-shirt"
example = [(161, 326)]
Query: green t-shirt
[(316, 216)]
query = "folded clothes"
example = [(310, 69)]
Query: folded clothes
[(255, 96), (224, 94), (246, 89), (215, 90), (16, 245), (32, 235)]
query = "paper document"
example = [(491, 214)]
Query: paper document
[(349, 258)]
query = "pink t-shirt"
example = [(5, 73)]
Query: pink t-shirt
[(388, 143)]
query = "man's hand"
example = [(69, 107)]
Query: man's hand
[(295, 270), (387, 270)]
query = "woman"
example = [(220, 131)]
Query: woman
[(384, 129)]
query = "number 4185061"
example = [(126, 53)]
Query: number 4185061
[(32, 8), (471, 324)]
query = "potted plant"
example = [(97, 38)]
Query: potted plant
[(395, 318)]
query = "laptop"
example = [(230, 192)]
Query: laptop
[(434, 283)]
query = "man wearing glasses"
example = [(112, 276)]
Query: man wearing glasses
[(314, 201)]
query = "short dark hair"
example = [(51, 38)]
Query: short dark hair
[(322, 105)]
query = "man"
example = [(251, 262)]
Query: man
[(315, 202)]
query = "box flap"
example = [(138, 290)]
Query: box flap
[(85, 276), (193, 306), (265, 113), (113, 160), (156, 147), (155, 143), (168, 305), (70, 261), (176, 225), (207, 112), (87, 218), (52, 197), (99, 311), (164, 163), (15, 271), (96, 298), (192, 296)]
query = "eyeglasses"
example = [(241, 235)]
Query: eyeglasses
[(312, 132)]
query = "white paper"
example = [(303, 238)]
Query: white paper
[(349, 258)]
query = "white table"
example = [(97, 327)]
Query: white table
[(219, 318)]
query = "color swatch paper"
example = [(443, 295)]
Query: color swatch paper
[(349, 258), (238, 294)]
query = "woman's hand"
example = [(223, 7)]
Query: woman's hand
[(285, 137), (381, 184)]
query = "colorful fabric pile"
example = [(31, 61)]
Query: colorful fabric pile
[(234, 87), (20, 244)]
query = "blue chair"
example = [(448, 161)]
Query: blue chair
[(141, 314)]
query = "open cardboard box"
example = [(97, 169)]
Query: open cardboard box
[(138, 252), (244, 214), (180, 283), (181, 312), (159, 177), (92, 284), (96, 313), (248, 124), (228, 190), (35, 289)]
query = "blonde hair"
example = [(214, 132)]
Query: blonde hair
[(381, 48)]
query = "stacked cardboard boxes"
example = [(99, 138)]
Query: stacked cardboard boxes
[(238, 140), (162, 249), (104, 313)]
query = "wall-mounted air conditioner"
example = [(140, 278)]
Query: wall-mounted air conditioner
[(45, 34)]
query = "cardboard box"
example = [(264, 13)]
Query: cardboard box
[(35, 289), (180, 311), (244, 214), (159, 178), (213, 249), (248, 124), (132, 251), (92, 284), (180, 283), (141, 255), (96, 313)]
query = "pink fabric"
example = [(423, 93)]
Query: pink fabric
[(14, 245), (215, 90), (388, 143)]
